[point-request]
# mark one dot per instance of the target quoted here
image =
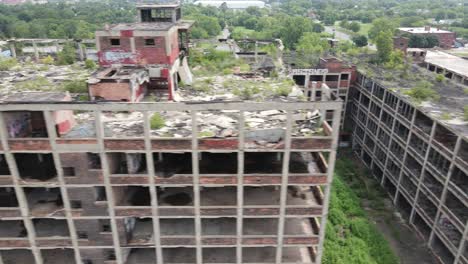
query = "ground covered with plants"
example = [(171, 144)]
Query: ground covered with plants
[(351, 237)]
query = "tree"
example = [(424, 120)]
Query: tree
[(384, 43), (312, 43), (354, 26), (318, 28), (380, 25), (20, 29), (360, 40), (67, 55), (344, 23), (292, 30), (83, 30)]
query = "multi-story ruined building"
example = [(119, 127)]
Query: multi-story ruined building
[(335, 74), (115, 190), (420, 157), (150, 54)]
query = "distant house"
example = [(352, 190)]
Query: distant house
[(232, 4), (446, 38)]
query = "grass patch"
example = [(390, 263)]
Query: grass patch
[(157, 121), (350, 236)]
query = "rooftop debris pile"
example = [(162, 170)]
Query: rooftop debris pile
[(40, 77)]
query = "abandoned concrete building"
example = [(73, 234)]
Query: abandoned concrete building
[(147, 56), (122, 194), (419, 157)]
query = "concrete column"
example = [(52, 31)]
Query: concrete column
[(132, 44), (13, 49), (314, 91), (307, 81), (36, 51)]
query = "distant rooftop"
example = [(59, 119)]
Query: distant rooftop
[(448, 61), (423, 30)]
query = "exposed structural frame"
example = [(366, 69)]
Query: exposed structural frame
[(421, 163), (148, 145)]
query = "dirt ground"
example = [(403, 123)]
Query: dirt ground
[(403, 240)]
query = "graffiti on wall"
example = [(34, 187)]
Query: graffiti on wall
[(118, 56)]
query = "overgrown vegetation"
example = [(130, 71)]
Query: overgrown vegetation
[(76, 86), (90, 65), (212, 62), (465, 113), (350, 236), (157, 121), (67, 55), (423, 91), (7, 64)]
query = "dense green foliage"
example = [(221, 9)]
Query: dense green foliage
[(384, 43), (61, 20), (422, 41), (350, 236), (360, 40)]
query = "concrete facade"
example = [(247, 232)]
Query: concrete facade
[(146, 199), (421, 164)]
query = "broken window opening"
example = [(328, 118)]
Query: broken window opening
[(219, 255), (14, 256), (132, 196), (179, 255), (127, 163), (68, 171), (218, 196), (169, 164), (150, 42), (224, 226), (138, 229), (13, 229), (35, 166), (115, 42), (101, 195), (94, 161), (218, 163), (177, 227), (258, 254), (4, 169), (105, 226), (47, 227), (8, 197), (175, 196), (25, 124), (43, 199)]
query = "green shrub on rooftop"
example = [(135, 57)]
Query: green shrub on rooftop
[(7, 64), (439, 77), (76, 86), (90, 65), (157, 121), (423, 91)]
